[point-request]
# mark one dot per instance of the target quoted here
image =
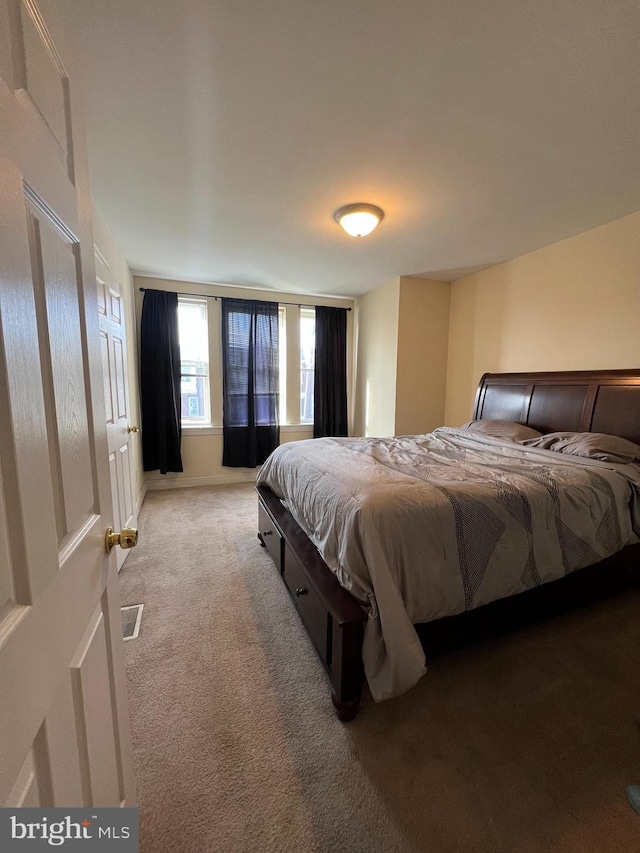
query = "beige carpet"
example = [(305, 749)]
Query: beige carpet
[(522, 744)]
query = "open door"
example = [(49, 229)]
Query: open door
[(64, 726)]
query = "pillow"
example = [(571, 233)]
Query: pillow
[(503, 429), (593, 445)]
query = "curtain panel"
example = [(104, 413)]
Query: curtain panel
[(330, 380), (160, 382), (250, 381)]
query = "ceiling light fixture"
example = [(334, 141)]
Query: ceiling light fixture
[(359, 219)]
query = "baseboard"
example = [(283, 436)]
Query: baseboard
[(140, 501), (189, 482)]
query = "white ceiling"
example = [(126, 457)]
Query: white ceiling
[(223, 134)]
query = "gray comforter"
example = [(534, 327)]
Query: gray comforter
[(422, 527)]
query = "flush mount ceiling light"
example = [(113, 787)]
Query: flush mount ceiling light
[(359, 219)]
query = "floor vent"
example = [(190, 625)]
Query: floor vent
[(131, 618)]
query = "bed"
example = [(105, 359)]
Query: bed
[(480, 517)]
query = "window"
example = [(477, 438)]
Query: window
[(307, 363), (193, 326), (251, 359), (201, 383)]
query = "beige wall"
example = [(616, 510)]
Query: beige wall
[(423, 333), (202, 447), (574, 305), (106, 245), (403, 329), (376, 360)]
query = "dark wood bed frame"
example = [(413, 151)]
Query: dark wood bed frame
[(605, 401)]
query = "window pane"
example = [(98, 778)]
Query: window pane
[(307, 362), (194, 331), (193, 327), (194, 399), (306, 395)]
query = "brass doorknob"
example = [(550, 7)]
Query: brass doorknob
[(127, 538), (133, 429)]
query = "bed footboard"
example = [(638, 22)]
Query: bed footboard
[(332, 617)]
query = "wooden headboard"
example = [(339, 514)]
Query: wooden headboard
[(573, 401)]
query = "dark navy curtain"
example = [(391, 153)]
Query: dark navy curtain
[(160, 382), (330, 375), (250, 381)]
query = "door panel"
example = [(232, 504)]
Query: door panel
[(64, 727), (118, 366), (25, 792), (39, 78), (106, 365), (54, 272), (92, 701), (24, 447), (40, 75), (62, 748), (48, 389), (55, 283), (33, 788)]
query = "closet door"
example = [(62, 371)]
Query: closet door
[(120, 423)]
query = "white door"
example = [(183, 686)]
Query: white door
[(113, 343), (64, 728)]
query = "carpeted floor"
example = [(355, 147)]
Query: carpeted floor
[(521, 744)]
